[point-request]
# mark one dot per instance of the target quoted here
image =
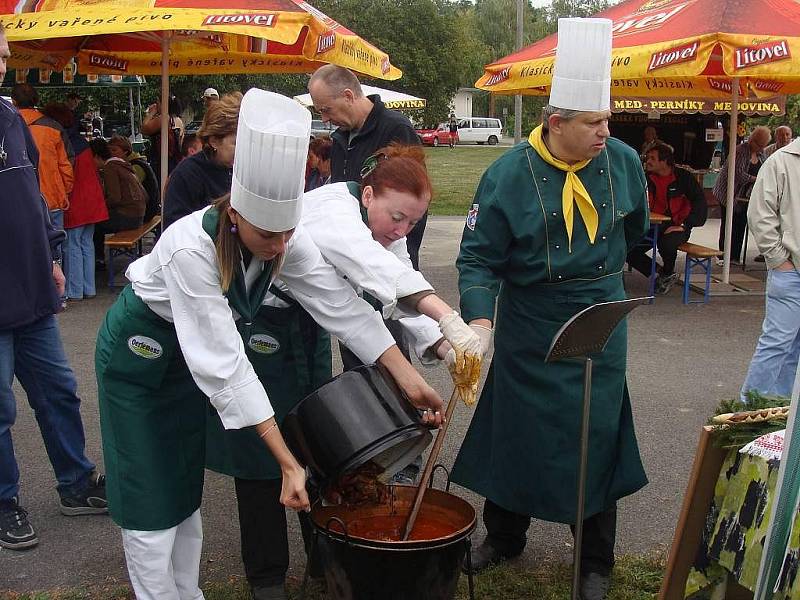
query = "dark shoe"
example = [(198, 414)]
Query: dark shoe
[(406, 476), (16, 532), (759, 258), (485, 556), (91, 501), (594, 586), (664, 283), (272, 592)]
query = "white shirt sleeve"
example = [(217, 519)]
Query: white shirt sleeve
[(332, 301), (334, 223), (423, 333), (211, 344)]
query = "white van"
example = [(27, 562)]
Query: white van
[(481, 130)]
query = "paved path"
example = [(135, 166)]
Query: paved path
[(682, 360)]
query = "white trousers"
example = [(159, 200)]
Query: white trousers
[(165, 564)]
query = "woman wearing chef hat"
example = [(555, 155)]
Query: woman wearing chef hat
[(171, 340)]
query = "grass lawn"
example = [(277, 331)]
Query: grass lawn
[(455, 174), (635, 578)]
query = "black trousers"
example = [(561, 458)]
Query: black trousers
[(507, 534), (116, 222), (414, 240), (667, 247), (737, 233), (262, 526)]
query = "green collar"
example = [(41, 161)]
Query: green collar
[(355, 191), (246, 305)]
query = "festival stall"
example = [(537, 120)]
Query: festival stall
[(390, 98)]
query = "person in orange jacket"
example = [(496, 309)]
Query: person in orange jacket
[(54, 168)]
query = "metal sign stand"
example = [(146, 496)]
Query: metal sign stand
[(587, 333)]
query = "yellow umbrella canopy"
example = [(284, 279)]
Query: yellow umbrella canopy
[(206, 36), (687, 48)]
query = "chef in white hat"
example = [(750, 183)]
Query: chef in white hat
[(547, 235), (171, 343)]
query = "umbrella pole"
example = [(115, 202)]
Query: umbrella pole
[(133, 117), (164, 115), (730, 194)]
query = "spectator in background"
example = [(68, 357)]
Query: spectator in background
[(774, 218), (320, 158), (210, 95), (364, 126), (748, 160), (87, 206), (30, 342), (650, 140), (54, 168), (121, 147), (61, 114), (73, 103), (453, 127), (200, 179), (126, 199), (191, 145), (673, 192), (151, 126), (783, 135)]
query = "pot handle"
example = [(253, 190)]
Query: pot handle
[(341, 524), (433, 474)]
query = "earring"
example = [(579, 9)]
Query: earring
[(234, 228)]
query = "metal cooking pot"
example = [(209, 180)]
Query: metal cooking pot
[(358, 416)]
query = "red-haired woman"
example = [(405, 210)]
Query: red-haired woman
[(361, 230)]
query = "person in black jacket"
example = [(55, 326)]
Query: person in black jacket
[(364, 125), (673, 192), (30, 342), (202, 178)]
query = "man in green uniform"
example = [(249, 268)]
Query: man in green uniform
[(546, 237)]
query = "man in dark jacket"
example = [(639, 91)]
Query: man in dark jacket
[(364, 126), (30, 343), (673, 192)]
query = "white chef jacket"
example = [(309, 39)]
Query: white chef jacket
[(180, 281), (332, 217)]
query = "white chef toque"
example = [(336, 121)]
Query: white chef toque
[(270, 160), (582, 72)]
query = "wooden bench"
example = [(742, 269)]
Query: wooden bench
[(697, 256), (128, 243)]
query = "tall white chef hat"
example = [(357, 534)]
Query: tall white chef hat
[(270, 161), (582, 73)]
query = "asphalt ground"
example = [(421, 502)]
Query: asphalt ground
[(682, 361)]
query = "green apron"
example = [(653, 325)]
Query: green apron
[(521, 450), (152, 419), (291, 356)]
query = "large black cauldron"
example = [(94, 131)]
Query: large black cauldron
[(357, 416), (359, 567)]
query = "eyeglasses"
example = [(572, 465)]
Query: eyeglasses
[(371, 163)]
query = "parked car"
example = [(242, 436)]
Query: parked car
[(436, 137), (480, 130), (321, 129), (192, 127)]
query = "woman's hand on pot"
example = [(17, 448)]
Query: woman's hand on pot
[(413, 386), (293, 488)]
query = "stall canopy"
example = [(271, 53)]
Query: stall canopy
[(392, 99), (666, 48), (693, 48), (206, 36), (762, 107), (67, 78)]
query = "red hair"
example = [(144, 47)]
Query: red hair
[(400, 168)]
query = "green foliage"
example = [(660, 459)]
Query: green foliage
[(736, 435)]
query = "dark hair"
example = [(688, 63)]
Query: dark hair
[(398, 167), (221, 119), (121, 142), (61, 113), (665, 152), (24, 95), (100, 148), (321, 148), (175, 106), (188, 141)]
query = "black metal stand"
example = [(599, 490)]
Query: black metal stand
[(587, 333)]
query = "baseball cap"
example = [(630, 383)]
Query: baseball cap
[(210, 93)]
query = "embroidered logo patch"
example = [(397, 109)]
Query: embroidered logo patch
[(264, 344), (472, 217), (146, 347)]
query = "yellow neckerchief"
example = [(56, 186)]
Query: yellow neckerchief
[(573, 193)]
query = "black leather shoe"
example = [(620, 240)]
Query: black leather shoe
[(594, 586), (485, 556)]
